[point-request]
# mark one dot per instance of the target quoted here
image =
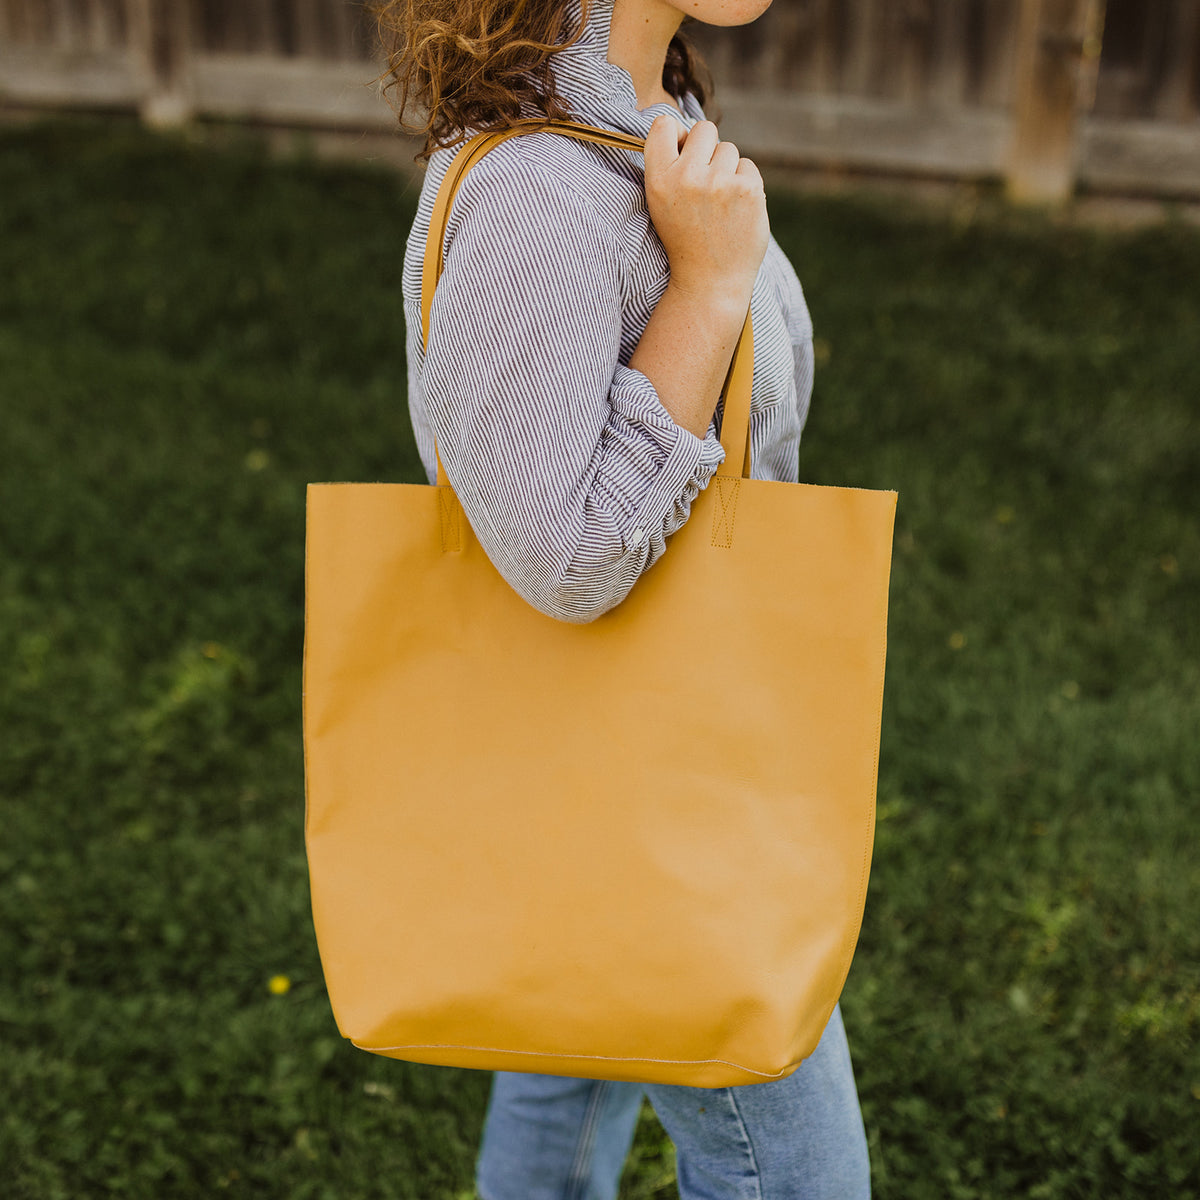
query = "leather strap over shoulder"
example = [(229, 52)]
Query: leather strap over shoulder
[(735, 437)]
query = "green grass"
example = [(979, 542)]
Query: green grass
[(188, 336)]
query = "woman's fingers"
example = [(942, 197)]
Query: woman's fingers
[(747, 170), (699, 147), (726, 157), (662, 144), (704, 151), (701, 142), (708, 208)]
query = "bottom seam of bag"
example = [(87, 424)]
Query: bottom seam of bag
[(681, 1062)]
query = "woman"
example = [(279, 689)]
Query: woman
[(579, 340)]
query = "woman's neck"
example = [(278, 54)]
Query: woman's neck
[(638, 40)]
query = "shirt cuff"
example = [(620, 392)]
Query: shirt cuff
[(685, 464)]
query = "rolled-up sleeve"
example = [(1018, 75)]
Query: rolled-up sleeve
[(567, 465)]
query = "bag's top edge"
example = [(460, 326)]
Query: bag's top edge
[(833, 487)]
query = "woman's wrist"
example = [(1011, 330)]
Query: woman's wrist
[(720, 304)]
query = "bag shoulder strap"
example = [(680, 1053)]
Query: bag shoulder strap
[(735, 424)]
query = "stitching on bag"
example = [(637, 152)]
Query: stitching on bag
[(448, 512), (679, 1062), (727, 497)]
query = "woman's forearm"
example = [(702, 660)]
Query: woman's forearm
[(686, 350)]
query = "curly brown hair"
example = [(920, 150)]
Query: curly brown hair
[(477, 64)]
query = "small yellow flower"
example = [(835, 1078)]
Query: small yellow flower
[(257, 460), (957, 640), (211, 650), (1005, 514), (822, 351), (279, 985), (1070, 690), (1169, 564)]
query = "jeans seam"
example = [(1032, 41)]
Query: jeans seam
[(577, 1178), (758, 1194)]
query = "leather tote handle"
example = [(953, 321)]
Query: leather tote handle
[(735, 424)]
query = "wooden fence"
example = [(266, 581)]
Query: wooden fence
[(1047, 94)]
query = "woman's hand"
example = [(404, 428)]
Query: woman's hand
[(708, 206), (709, 210)]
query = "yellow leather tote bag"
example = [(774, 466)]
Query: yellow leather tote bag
[(635, 849)]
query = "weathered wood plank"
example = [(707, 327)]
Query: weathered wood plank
[(310, 39), (814, 66), (49, 78), (717, 51), (62, 22), (103, 26), (1140, 157), (301, 91), (1053, 53), (949, 57), (1151, 59), (353, 34), (17, 18), (39, 24), (998, 50), (776, 58), (161, 40), (864, 23), (263, 28), (861, 133), (230, 29), (907, 63), (1176, 99)]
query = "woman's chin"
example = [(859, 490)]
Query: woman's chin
[(722, 12)]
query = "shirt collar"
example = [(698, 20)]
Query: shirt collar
[(600, 92)]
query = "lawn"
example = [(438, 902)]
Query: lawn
[(189, 334)]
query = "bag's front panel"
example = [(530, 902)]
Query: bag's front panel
[(589, 843)]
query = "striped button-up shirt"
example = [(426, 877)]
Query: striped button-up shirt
[(569, 469)]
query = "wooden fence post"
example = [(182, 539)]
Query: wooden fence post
[(1178, 96), (1058, 54), (160, 36)]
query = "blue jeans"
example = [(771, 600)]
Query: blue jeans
[(799, 1138)]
